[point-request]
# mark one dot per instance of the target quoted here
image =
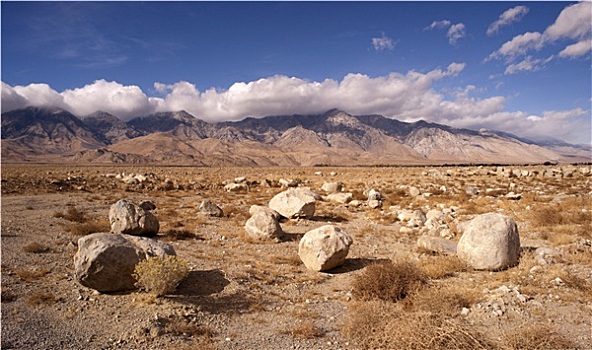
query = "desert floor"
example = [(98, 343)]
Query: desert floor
[(242, 294)]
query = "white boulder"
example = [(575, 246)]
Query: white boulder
[(324, 248), (489, 242)]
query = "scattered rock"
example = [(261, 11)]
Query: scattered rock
[(234, 187), (294, 203), (324, 248), (263, 225), (342, 197), (126, 217), (414, 191), (105, 261), (374, 204), (258, 208), (490, 242), (210, 208), (332, 187), (354, 204), (288, 182), (437, 245)]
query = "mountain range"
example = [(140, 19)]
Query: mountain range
[(335, 137)]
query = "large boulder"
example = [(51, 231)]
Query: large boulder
[(294, 203), (106, 262), (209, 208), (263, 225), (489, 242), (128, 218), (324, 248)]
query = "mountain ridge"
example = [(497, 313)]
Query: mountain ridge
[(332, 138)]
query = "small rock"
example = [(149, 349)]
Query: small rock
[(210, 208)]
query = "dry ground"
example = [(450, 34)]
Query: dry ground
[(246, 295)]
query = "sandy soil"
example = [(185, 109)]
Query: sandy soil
[(246, 295)]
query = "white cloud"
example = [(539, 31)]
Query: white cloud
[(509, 16), (455, 32), (11, 99), (519, 45), (576, 50), (438, 25), (407, 97), (573, 22), (383, 43), (39, 95), (527, 65)]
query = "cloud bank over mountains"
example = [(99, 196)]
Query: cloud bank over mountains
[(407, 97)]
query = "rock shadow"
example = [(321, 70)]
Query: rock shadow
[(202, 283), (291, 237), (328, 218), (355, 264)]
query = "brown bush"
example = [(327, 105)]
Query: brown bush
[(388, 281), (35, 248), (72, 214), (160, 275), (382, 325), (535, 337), (441, 266), (83, 229), (40, 298)]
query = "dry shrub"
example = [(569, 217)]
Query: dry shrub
[(441, 266), (574, 281), (7, 296), (72, 214), (305, 329), (31, 274), (535, 337), (382, 325), (181, 326), (35, 248), (83, 229), (389, 281), (444, 300), (40, 298), (179, 235), (160, 275)]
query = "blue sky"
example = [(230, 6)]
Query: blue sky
[(521, 67)]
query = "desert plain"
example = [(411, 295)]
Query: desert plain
[(246, 294)]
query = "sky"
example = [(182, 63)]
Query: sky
[(518, 67)]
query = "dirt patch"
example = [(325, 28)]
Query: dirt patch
[(244, 295)]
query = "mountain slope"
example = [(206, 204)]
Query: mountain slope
[(331, 138)]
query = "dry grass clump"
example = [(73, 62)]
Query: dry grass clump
[(389, 281), (571, 217), (86, 228), (441, 266), (7, 296), (40, 298), (31, 274), (382, 325), (35, 248), (305, 329), (574, 281), (443, 300), (71, 214), (535, 337), (160, 275), (180, 326)]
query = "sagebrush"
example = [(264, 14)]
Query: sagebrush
[(160, 275)]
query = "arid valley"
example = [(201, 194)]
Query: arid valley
[(242, 293)]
